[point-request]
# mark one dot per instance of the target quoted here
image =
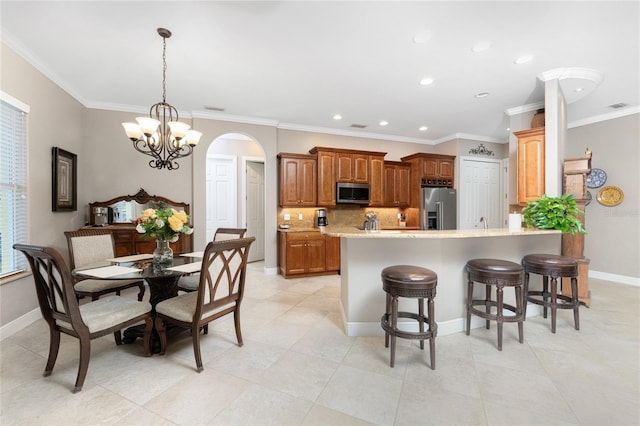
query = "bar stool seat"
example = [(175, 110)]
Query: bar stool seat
[(552, 266), (410, 282), (498, 273)]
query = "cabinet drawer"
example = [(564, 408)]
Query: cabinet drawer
[(297, 236)]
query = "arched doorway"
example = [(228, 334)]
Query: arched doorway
[(235, 190)]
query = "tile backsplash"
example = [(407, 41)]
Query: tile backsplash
[(342, 216)]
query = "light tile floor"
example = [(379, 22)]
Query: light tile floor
[(297, 367)]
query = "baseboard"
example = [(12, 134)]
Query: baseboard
[(622, 279), (271, 271), (19, 323)]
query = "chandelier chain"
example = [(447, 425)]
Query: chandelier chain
[(164, 70)]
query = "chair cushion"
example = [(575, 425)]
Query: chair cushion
[(189, 282), (183, 307), (92, 286), (549, 259), (111, 310), (408, 274)]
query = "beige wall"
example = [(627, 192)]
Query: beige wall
[(613, 240), (55, 119)]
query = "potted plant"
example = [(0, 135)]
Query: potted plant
[(561, 213)]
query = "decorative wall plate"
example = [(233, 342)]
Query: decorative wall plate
[(610, 196), (589, 198), (596, 178)]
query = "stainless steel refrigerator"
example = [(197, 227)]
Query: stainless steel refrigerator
[(437, 208)]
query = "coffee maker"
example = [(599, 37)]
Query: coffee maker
[(321, 218)]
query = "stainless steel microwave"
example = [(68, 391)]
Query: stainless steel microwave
[(352, 193)]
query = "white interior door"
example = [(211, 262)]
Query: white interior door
[(222, 199), (480, 193), (254, 210)]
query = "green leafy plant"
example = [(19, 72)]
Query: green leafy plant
[(559, 213)]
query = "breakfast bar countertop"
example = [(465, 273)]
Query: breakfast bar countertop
[(354, 232)]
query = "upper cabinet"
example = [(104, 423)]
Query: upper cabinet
[(396, 184), (352, 167), (347, 165), (432, 169), (297, 180), (531, 166)]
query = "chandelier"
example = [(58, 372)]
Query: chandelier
[(161, 135)]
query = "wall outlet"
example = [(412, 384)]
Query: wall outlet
[(299, 216), (287, 216)]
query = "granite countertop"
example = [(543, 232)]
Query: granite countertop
[(354, 232), (288, 230)]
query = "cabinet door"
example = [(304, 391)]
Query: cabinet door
[(389, 185), (445, 169), (360, 168), (315, 254), (531, 168), (307, 183), (343, 167), (332, 250), (296, 251), (403, 186), (430, 168), (376, 181), (289, 172), (326, 179)]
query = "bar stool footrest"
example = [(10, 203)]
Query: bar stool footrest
[(560, 298), (428, 334), (516, 317)]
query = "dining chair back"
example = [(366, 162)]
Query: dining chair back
[(220, 292), (190, 282), (88, 246), (63, 313)]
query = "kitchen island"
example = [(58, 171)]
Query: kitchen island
[(364, 255)]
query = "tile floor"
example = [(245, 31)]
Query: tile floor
[(298, 368)]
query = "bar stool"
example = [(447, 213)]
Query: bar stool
[(498, 273), (554, 266), (416, 283)]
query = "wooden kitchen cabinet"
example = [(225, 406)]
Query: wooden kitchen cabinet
[(531, 164), (326, 178), (304, 254), (376, 181), (297, 180), (352, 167), (396, 184)]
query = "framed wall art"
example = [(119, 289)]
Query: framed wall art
[(64, 180)]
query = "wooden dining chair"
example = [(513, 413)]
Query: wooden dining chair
[(91, 245), (190, 282), (63, 313), (220, 292)]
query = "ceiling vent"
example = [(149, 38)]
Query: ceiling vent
[(210, 108), (618, 105), (358, 126)]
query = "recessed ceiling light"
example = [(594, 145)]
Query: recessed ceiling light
[(523, 59), (426, 81), (421, 37), (508, 128), (578, 89), (337, 117), (423, 128), (384, 123), (481, 46), (482, 94)]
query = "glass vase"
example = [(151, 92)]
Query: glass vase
[(162, 255)]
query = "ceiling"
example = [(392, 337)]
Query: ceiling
[(297, 64)]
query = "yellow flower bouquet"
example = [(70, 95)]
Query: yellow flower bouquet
[(163, 224)]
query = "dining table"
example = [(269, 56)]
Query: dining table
[(161, 279)]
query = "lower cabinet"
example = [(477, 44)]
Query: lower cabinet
[(306, 253)]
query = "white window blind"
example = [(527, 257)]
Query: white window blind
[(13, 183)]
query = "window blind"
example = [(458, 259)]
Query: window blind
[(13, 183)]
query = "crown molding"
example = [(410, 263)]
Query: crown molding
[(604, 117), (343, 132), (524, 108)]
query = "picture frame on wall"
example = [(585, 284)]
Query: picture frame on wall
[(64, 180)]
